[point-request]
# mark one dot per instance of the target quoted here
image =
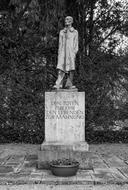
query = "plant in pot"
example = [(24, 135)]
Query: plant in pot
[(64, 167)]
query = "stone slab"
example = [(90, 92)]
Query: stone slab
[(4, 159), (113, 171), (103, 176), (86, 159), (48, 187), (114, 161), (31, 157), (16, 158), (64, 116), (49, 178), (6, 169), (119, 177), (15, 179), (57, 146), (83, 175), (99, 164), (44, 157), (124, 171)]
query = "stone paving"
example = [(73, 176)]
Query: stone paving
[(21, 169)]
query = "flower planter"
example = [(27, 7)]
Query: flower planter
[(64, 167)]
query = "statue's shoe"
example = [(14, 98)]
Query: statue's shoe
[(71, 87), (57, 86)]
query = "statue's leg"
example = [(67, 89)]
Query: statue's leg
[(71, 75), (59, 81), (69, 82)]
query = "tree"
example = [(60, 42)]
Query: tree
[(28, 46), (99, 68), (29, 33)]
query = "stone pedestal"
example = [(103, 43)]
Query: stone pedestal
[(64, 126)]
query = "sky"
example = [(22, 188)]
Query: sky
[(123, 40)]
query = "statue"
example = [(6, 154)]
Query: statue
[(68, 48)]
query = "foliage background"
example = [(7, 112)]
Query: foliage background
[(29, 32)]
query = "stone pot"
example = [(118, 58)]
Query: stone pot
[(64, 170)]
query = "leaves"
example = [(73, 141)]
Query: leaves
[(28, 56)]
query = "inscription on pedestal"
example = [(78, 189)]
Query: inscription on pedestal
[(65, 116), (64, 110)]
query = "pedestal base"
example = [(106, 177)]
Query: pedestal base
[(64, 127), (52, 151)]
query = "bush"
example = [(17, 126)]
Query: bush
[(107, 136), (22, 134)]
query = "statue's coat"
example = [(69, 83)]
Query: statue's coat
[(68, 47)]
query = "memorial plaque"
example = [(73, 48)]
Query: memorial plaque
[(64, 116)]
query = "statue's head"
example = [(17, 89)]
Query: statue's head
[(68, 21)]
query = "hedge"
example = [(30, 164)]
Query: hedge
[(10, 135), (107, 136)]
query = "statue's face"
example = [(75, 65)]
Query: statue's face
[(68, 21)]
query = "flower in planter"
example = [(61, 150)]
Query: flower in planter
[(64, 161)]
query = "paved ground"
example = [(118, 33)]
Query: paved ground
[(64, 187), (18, 170)]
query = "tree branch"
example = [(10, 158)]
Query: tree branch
[(109, 34), (103, 14), (91, 21)]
